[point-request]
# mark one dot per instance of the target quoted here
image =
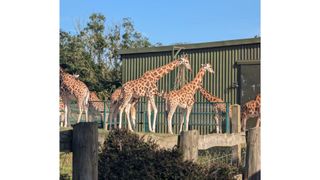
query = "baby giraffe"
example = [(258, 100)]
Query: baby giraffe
[(218, 106), (184, 97)]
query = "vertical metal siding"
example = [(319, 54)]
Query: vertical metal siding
[(220, 84)]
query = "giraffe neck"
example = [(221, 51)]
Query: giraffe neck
[(195, 84), (197, 81), (209, 97), (158, 73)]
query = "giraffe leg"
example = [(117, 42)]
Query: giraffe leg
[(80, 113), (120, 116), (66, 115), (183, 113), (170, 115), (61, 119), (113, 108), (86, 111), (187, 117), (217, 124), (123, 105), (155, 111), (149, 115), (102, 119), (127, 109), (133, 113)]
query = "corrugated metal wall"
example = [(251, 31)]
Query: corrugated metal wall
[(221, 58)]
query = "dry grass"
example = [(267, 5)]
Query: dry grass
[(66, 165)]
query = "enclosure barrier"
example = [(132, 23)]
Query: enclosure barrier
[(84, 146), (83, 141), (201, 118), (253, 166)]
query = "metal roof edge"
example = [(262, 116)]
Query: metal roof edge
[(191, 46)]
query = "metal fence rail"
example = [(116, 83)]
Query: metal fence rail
[(201, 117)]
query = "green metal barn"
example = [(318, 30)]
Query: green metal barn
[(236, 64)]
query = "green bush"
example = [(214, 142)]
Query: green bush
[(125, 155)]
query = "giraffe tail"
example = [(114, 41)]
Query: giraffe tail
[(166, 111)]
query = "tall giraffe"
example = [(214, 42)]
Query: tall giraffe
[(73, 88), (218, 106), (184, 97), (146, 86), (251, 109), (98, 107), (116, 98)]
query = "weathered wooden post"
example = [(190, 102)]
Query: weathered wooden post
[(236, 128), (253, 167), (188, 143), (85, 151), (236, 122)]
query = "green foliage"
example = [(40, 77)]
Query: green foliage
[(126, 156), (93, 52)]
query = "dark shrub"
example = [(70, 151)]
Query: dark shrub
[(65, 177), (125, 155)]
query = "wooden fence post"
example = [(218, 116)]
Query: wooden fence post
[(188, 143), (253, 167), (85, 151), (236, 122), (236, 128)]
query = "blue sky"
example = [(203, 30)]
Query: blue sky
[(174, 21)]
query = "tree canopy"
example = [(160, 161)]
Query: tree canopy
[(93, 52)]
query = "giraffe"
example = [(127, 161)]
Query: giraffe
[(116, 98), (251, 109), (146, 86), (218, 106), (72, 88), (184, 97), (97, 107)]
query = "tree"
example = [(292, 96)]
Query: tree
[(93, 52)]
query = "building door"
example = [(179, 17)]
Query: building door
[(248, 80)]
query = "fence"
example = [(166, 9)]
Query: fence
[(201, 117), (83, 142)]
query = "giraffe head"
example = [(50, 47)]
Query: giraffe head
[(207, 67), (184, 60)]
